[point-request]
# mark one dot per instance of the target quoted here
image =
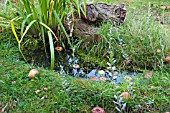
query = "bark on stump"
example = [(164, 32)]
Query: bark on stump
[(86, 27)]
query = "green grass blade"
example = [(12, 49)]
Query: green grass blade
[(23, 24), (43, 38), (49, 30), (19, 41), (4, 25), (5, 16), (27, 28), (78, 6), (27, 6), (50, 12), (62, 27), (51, 49)]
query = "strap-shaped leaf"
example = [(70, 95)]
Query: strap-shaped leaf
[(51, 49)]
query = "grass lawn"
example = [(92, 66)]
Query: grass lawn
[(54, 93)]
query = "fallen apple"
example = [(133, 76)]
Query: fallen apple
[(58, 48), (125, 95), (33, 73), (167, 59), (148, 75), (97, 110)]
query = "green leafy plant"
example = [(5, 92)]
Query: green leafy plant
[(36, 18), (133, 43)]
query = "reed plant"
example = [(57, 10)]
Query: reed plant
[(38, 18)]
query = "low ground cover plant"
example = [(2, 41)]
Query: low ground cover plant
[(142, 42)]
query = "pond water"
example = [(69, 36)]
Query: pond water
[(65, 63)]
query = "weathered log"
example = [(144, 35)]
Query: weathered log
[(102, 11), (86, 26)]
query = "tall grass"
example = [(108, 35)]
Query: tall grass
[(135, 42), (36, 17)]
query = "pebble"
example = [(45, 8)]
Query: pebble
[(76, 66), (115, 73), (102, 78), (101, 72), (114, 77), (128, 78), (92, 78)]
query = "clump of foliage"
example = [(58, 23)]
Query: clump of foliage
[(19, 93), (139, 42), (40, 19)]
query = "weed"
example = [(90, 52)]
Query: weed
[(135, 42)]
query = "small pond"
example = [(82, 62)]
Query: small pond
[(65, 63)]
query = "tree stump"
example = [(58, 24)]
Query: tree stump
[(86, 26)]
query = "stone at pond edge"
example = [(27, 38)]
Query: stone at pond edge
[(115, 77), (76, 66), (128, 78), (92, 78), (102, 78), (109, 68), (115, 73), (97, 110), (101, 72)]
